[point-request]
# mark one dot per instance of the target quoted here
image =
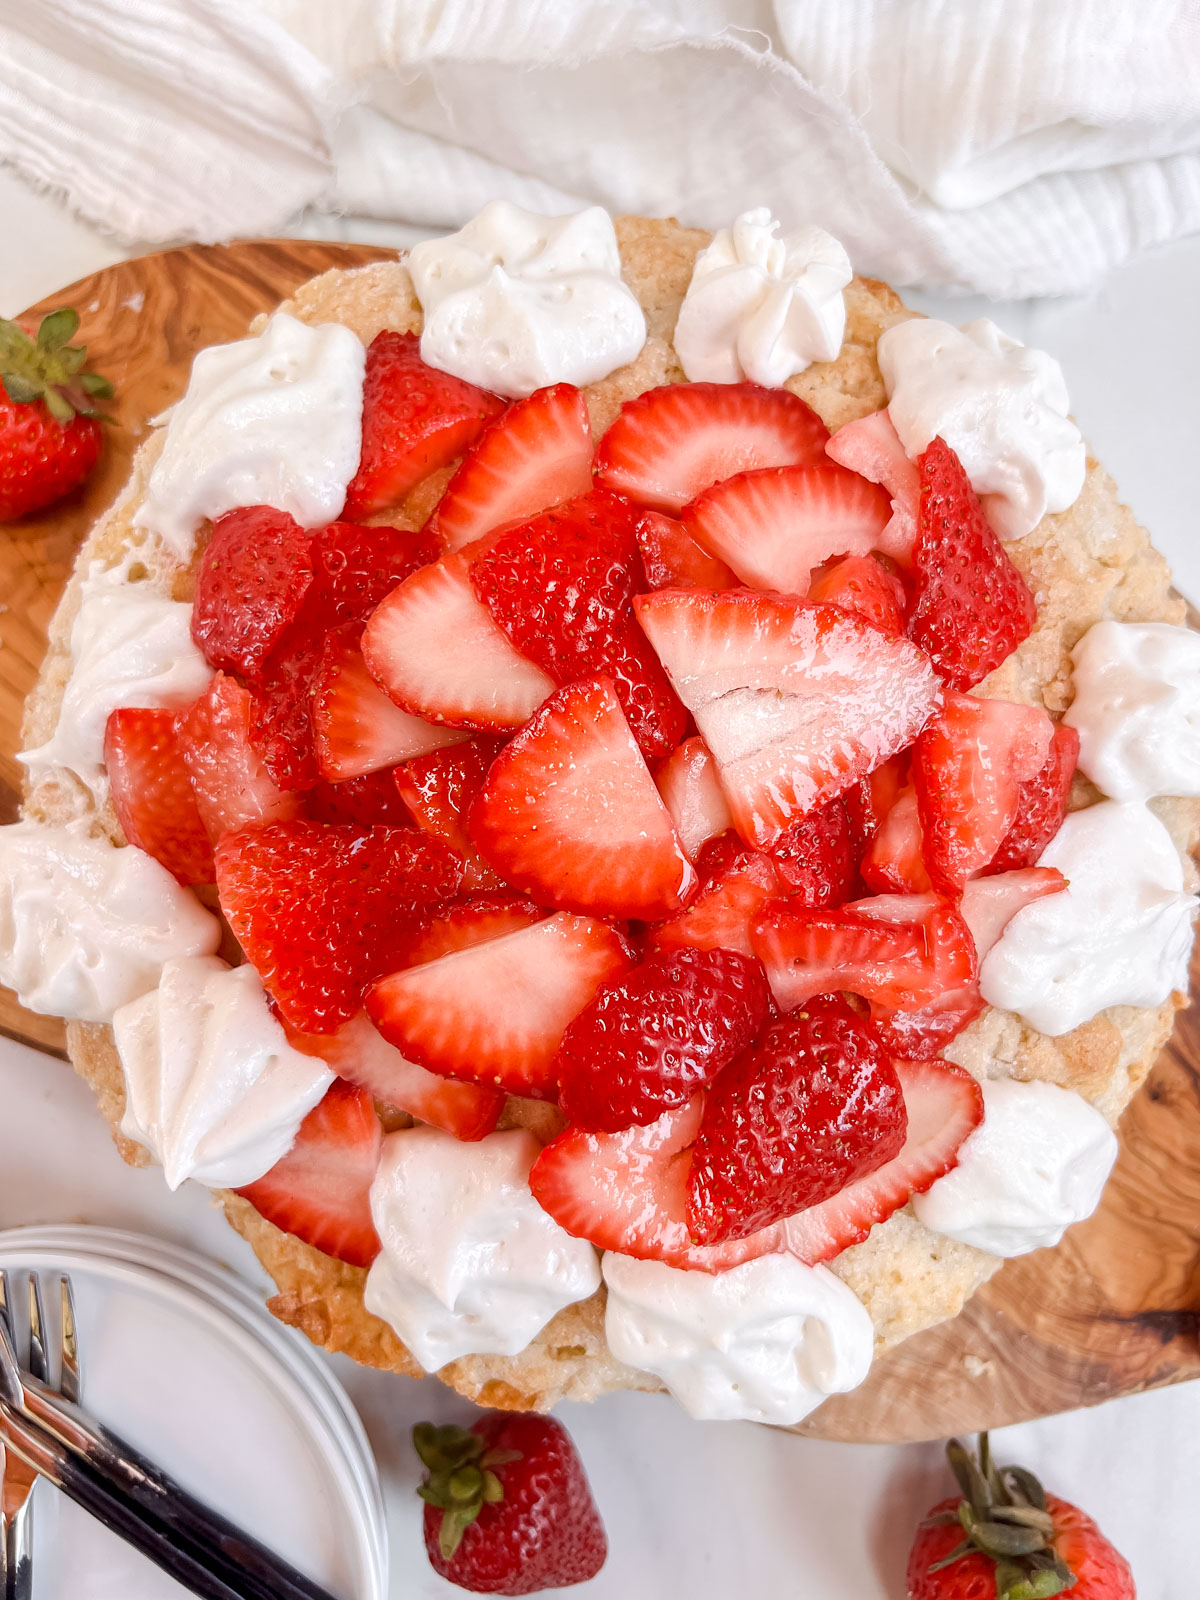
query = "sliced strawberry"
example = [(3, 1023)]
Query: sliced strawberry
[(561, 586), (972, 607), (968, 768), (692, 793), (923, 1034), (796, 702), (356, 728), (816, 1105), (370, 802), (323, 910), (898, 966), (894, 862), (439, 790), (361, 1055), (862, 585), (774, 526), (495, 1012), (354, 568), (627, 1192), (944, 1105), (870, 799), (472, 919), (415, 419), (671, 444), (537, 453), (152, 792), (320, 1191), (673, 560), (651, 1037), (253, 576), (280, 721), (436, 651), (231, 783), (1041, 807), (989, 904), (737, 884), (871, 447), (570, 814), (815, 856)]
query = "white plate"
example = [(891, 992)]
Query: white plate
[(182, 1360)]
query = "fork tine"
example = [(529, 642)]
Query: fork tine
[(69, 1381), (38, 1365), (10, 1375)]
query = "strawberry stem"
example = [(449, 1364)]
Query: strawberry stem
[(459, 1480), (49, 368)]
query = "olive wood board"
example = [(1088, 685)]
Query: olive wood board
[(1113, 1310)]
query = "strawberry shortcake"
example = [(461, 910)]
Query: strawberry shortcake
[(625, 801)]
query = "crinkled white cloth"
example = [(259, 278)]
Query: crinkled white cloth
[(1013, 147)]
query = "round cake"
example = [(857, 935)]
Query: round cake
[(1084, 565)]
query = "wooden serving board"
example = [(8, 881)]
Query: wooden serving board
[(1115, 1309)]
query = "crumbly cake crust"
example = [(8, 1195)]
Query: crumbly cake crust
[(1090, 562)]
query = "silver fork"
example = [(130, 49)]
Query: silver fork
[(16, 1494)]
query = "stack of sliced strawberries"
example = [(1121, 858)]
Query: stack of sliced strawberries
[(645, 780)]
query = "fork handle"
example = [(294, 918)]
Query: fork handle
[(18, 1555)]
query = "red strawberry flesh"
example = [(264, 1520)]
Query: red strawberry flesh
[(152, 792)]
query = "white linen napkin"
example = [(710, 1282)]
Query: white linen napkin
[(1012, 147)]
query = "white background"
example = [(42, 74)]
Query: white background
[(717, 1509)]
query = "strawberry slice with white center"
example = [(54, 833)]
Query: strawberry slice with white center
[(671, 444), (894, 863), (737, 884), (472, 920), (673, 560), (229, 778), (628, 1191), (968, 768), (361, 1055), (356, 728), (439, 790), (944, 1104), (871, 447), (692, 793), (863, 585), (434, 648), (570, 814), (989, 904), (319, 1192), (772, 527), (152, 792), (795, 701), (896, 965), (495, 1012), (536, 454)]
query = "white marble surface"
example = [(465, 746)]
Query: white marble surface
[(712, 1510)]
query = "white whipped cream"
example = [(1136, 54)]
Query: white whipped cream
[(1036, 1163), (131, 645), (212, 1087), (471, 1264), (764, 1342), (1120, 934), (760, 307), (271, 421), (515, 300), (1002, 408), (85, 926), (1137, 708)]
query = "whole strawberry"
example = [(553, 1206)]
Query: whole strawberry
[(508, 1509), (1006, 1537), (49, 435)]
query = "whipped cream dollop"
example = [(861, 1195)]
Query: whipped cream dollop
[(131, 645), (515, 300), (1137, 708), (1120, 934), (212, 1087), (273, 421), (1000, 406), (471, 1264), (1037, 1162), (766, 1341), (761, 307), (85, 926)]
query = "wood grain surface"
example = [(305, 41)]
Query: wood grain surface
[(1115, 1309)]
